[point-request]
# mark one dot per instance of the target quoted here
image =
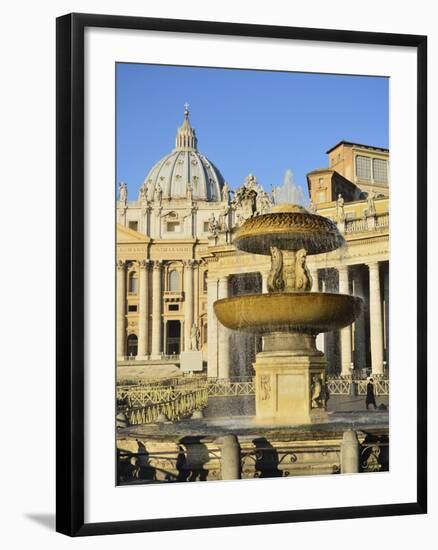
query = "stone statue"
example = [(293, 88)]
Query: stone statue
[(275, 280), (303, 278), (213, 225), (340, 208), (265, 203), (123, 192), (158, 193), (312, 207), (248, 202), (143, 193), (147, 189), (194, 338), (250, 181), (371, 204), (316, 391), (226, 193)]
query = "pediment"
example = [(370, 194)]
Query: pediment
[(126, 235)]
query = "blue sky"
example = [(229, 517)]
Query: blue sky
[(246, 121)]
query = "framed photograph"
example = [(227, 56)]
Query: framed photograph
[(241, 274)]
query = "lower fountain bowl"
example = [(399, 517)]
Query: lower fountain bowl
[(310, 312)]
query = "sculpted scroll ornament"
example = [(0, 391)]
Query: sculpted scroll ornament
[(275, 281), (303, 279)]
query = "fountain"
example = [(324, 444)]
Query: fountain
[(290, 370)]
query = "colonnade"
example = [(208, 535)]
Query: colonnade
[(348, 283), (152, 344), (218, 337)]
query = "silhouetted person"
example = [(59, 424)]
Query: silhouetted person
[(181, 462), (196, 456), (326, 394), (266, 458), (370, 398), (145, 470)]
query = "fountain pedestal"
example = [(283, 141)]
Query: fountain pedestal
[(290, 380)]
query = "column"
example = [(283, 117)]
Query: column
[(196, 284), (315, 288), (264, 283), (314, 275), (188, 302), (321, 339), (212, 327), (345, 332), (121, 310), (143, 320), (223, 335), (157, 222), (156, 310), (165, 336), (386, 315), (360, 347), (376, 333)]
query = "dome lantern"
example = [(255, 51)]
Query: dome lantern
[(186, 136)]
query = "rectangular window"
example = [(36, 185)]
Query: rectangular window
[(206, 224), (173, 307), (380, 170), (363, 168), (132, 308), (173, 227), (133, 225)]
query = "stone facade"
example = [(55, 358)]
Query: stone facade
[(175, 258)]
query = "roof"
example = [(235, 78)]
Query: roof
[(333, 173), (343, 142)]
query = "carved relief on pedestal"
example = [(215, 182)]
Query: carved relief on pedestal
[(265, 387)]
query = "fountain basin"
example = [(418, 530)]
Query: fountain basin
[(288, 227), (311, 312)]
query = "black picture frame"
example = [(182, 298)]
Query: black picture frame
[(70, 272)]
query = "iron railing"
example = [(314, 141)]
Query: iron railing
[(175, 406)]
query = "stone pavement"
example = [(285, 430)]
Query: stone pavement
[(245, 405)]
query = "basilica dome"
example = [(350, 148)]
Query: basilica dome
[(185, 171)]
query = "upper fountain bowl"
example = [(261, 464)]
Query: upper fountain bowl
[(288, 227)]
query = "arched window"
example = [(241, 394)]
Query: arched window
[(204, 284), (174, 280), (132, 283), (132, 345)]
